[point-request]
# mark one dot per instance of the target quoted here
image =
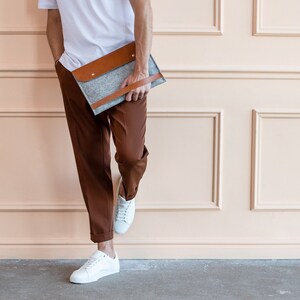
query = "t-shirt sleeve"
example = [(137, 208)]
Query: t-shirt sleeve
[(47, 4)]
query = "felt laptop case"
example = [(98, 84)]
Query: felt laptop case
[(101, 79)]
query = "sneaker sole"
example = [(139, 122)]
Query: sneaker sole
[(101, 275)]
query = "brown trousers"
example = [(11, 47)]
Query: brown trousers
[(90, 137)]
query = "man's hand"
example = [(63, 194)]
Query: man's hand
[(140, 92)]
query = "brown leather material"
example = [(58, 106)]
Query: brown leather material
[(126, 89), (106, 63)]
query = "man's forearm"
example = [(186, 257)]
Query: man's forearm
[(54, 33), (143, 33)]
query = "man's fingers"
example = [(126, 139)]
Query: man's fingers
[(146, 93), (135, 94), (128, 96), (141, 96), (124, 83)]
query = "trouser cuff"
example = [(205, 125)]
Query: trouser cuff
[(101, 237)]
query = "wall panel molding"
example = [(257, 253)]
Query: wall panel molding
[(260, 30), (24, 30), (152, 113), (156, 241), (155, 248), (215, 29), (255, 201), (180, 72)]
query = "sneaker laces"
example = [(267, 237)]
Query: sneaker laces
[(122, 209), (91, 262)]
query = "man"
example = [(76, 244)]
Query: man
[(79, 32)]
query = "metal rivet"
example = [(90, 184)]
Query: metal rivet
[(93, 74), (132, 55)]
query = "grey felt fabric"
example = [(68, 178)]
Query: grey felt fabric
[(110, 82)]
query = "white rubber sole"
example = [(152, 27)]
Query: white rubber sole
[(95, 278)]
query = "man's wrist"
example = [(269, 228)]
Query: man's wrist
[(141, 70), (141, 65)]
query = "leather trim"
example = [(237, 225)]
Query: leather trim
[(106, 63), (126, 89)]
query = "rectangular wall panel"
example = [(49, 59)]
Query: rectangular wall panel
[(37, 164), (21, 17), (203, 17), (189, 148), (276, 161), (277, 17)]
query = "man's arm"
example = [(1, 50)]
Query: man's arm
[(143, 21), (55, 33)]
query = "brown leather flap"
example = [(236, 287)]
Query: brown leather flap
[(106, 63)]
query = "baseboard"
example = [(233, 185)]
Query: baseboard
[(154, 251)]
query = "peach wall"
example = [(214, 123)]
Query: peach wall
[(223, 137)]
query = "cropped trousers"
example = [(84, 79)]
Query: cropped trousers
[(90, 138)]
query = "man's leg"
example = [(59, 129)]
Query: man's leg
[(128, 125), (90, 136)]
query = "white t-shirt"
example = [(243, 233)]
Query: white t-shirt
[(92, 28)]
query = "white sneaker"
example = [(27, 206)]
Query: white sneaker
[(124, 213), (98, 265)]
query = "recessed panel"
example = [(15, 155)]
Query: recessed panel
[(21, 15), (276, 17), (281, 13), (181, 163), (30, 93), (277, 161), (37, 163), (190, 13)]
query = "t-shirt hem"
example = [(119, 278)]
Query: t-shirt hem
[(47, 6)]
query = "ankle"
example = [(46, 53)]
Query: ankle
[(107, 247)]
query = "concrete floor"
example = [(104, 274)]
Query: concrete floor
[(154, 279)]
